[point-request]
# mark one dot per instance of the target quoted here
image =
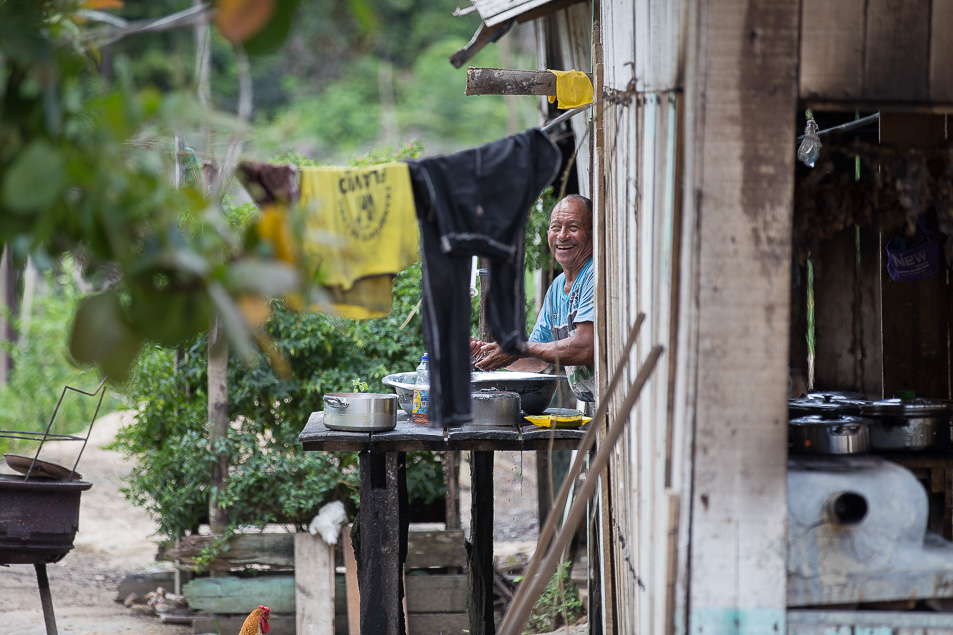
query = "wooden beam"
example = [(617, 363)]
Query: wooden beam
[(832, 49), (733, 323), (501, 81)]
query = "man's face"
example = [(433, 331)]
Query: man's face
[(570, 234)]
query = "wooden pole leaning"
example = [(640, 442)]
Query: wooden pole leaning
[(536, 578), (549, 526)]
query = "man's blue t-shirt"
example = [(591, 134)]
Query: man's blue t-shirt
[(558, 318)]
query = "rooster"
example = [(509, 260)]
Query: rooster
[(257, 622)]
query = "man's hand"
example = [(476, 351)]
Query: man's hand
[(488, 356)]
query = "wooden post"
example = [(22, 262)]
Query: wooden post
[(500, 81), (480, 549), (218, 421), (383, 495), (451, 477), (314, 585), (350, 580)]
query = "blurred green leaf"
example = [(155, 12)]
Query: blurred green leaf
[(35, 178), (101, 336), (273, 35)]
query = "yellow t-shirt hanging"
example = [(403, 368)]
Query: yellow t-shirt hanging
[(573, 89), (360, 230)]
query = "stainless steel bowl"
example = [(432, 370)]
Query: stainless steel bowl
[(536, 390)]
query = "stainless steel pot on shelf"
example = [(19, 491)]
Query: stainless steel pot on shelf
[(492, 407), (828, 434), (909, 424), (360, 411)]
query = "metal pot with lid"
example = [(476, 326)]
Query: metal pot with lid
[(360, 411), (909, 424), (492, 407), (828, 434), (832, 403)]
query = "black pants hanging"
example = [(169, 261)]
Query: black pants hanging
[(475, 202)]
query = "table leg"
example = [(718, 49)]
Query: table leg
[(46, 598), (383, 541), (480, 550)]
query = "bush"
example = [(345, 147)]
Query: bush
[(272, 480)]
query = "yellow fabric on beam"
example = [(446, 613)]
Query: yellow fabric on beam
[(573, 89)]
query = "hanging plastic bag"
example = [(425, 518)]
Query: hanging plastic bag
[(908, 261)]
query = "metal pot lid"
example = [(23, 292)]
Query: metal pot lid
[(492, 393), (916, 407), (827, 421), (837, 395), (810, 406)]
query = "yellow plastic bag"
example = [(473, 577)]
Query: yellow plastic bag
[(573, 89)]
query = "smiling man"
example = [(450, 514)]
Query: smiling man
[(563, 334)]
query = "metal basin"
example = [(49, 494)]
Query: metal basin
[(536, 390)]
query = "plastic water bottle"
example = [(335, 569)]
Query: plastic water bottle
[(421, 406)]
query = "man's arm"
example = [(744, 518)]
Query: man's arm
[(577, 350)]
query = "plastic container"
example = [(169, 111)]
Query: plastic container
[(421, 405)]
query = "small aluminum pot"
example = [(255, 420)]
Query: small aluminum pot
[(492, 407), (903, 425), (360, 411), (825, 434)]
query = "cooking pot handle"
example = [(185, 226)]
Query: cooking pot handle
[(336, 402)]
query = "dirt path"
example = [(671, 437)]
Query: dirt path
[(114, 539)]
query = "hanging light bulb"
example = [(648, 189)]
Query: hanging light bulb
[(810, 147)]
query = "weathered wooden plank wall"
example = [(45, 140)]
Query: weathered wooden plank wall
[(916, 319), (640, 202), (887, 51), (731, 384)]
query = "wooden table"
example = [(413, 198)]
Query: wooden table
[(383, 519)]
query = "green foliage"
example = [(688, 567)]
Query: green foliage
[(272, 479), (42, 368), (85, 166), (538, 255), (559, 604)]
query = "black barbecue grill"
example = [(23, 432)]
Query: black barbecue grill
[(39, 508)]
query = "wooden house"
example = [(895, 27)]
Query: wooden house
[(689, 153)]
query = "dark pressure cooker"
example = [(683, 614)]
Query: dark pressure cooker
[(903, 425)]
